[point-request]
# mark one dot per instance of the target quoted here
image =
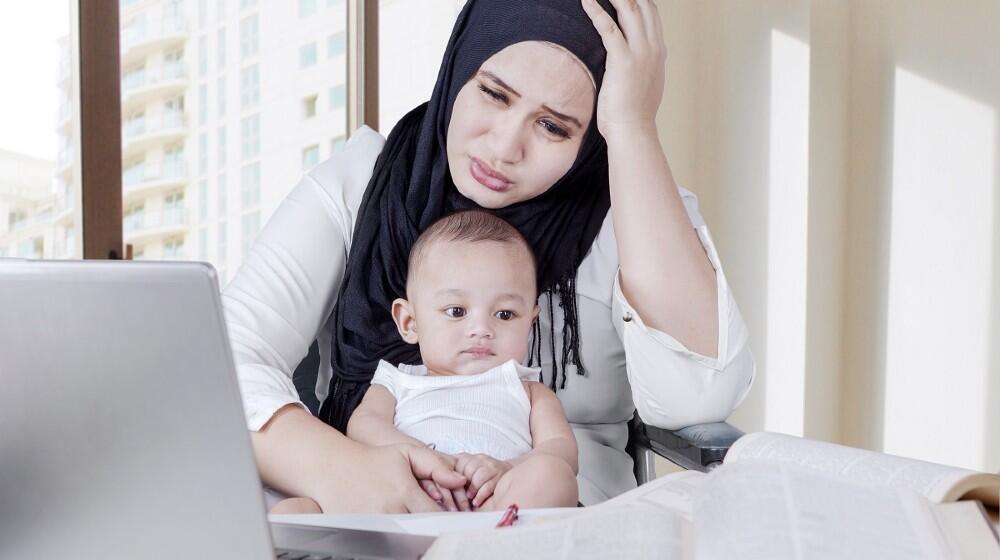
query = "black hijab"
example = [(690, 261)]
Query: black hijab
[(411, 188)]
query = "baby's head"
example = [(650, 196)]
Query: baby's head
[(471, 294)]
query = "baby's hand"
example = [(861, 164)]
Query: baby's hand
[(483, 472), (450, 500)]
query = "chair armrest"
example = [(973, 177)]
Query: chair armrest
[(700, 447)]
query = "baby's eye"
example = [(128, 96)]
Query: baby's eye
[(504, 315), (455, 312)]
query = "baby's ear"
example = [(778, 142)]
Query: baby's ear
[(406, 323), (534, 312)]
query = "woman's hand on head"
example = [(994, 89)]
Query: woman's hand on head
[(385, 480), (634, 72)]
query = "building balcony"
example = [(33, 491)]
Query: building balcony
[(167, 80), (149, 177), (65, 160), (146, 226), (140, 37), (142, 133)]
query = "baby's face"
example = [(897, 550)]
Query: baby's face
[(472, 304)]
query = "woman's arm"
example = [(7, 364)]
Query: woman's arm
[(550, 432), (373, 421), (657, 245), (301, 456)]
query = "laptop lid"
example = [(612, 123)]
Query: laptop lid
[(121, 428)]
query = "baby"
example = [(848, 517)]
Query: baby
[(471, 301)]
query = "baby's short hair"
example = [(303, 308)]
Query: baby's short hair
[(472, 226)]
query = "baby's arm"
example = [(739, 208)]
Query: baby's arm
[(550, 432), (373, 421)]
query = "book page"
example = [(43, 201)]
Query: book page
[(674, 492), (638, 532), (754, 510), (936, 482)]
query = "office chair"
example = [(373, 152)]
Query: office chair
[(700, 447)]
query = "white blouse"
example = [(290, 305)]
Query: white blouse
[(281, 297)]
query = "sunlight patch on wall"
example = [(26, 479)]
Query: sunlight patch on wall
[(788, 211), (940, 273)]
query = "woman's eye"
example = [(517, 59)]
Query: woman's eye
[(505, 315), (455, 312), (554, 129), (496, 95)]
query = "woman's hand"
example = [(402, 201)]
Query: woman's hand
[(454, 499), (483, 472), (634, 73), (385, 480)]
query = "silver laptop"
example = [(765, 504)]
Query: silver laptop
[(121, 427)]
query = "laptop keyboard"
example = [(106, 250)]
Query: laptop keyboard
[(286, 554)]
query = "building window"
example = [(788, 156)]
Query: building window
[(222, 243), (248, 36), (307, 8), (246, 4), (220, 92), (203, 104), (250, 184), (202, 153), (220, 10), (337, 144), (338, 97), (203, 200), (203, 244), (174, 248), (202, 56), (251, 225), (336, 44), (221, 210), (250, 133), (220, 47), (220, 145), (202, 13), (310, 157), (309, 107), (307, 55), (249, 86)]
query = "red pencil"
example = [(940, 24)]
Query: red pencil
[(509, 516)]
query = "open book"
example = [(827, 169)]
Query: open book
[(776, 496)]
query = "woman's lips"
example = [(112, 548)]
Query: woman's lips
[(487, 177)]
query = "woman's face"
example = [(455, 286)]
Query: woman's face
[(517, 125)]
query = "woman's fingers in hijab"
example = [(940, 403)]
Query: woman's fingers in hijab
[(654, 27), (611, 36)]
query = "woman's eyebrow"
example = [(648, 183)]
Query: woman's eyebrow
[(512, 91)]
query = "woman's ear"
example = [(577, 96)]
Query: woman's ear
[(406, 323)]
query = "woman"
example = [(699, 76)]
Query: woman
[(636, 311)]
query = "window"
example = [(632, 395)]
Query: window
[(220, 145), (202, 104), (309, 107), (250, 184), (220, 47), (220, 10), (248, 36), (307, 8), (222, 243), (173, 248), (251, 225), (250, 132), (203, 244), (202, 56), (246, 4), (249, 86), (310, 157), (202, 153), (307, 55), (338, 97), (221, 203), (202, 13), (203, 200), (220, 92), (336, 44), (337, 144)]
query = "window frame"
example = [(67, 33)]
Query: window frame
[(101, 169)]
